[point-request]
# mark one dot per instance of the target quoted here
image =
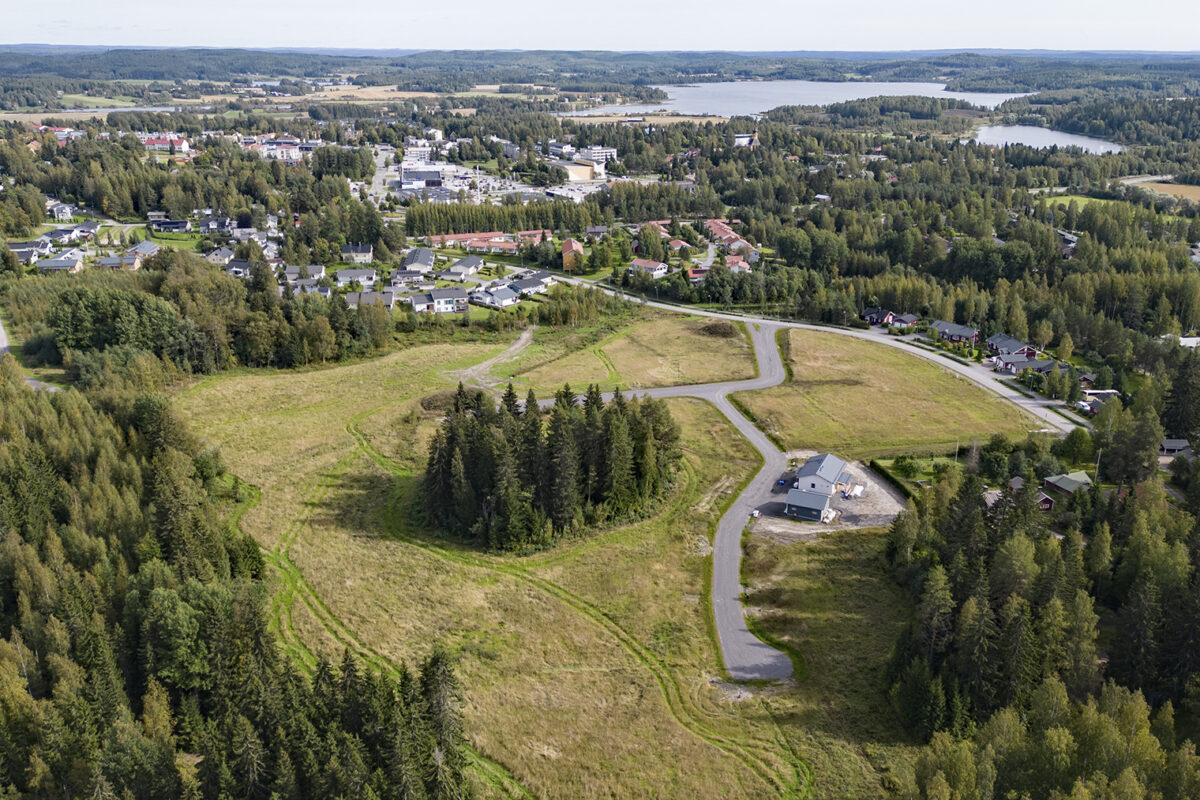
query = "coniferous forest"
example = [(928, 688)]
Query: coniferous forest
[(519, 478), (137, 660)]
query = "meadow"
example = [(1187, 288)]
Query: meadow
[(589, 670), (862, 400)]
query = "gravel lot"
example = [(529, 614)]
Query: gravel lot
[(877, 507)]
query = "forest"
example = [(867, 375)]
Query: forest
[(517, 478), (136, 660)]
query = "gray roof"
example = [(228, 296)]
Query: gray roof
[(954, 329), (146, 248), (357, 248), (826, 466), (1005, 343), (527, 284), (806, 499), (448, 294), (355, 274), (1071, 482), (468, 262), (420, 255)]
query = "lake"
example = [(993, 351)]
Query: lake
[(1033, 136), (749, 98)]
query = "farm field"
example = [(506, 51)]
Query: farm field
[(1174, 189), (832, 600), (610, 627), (650, 350), (862, 400)]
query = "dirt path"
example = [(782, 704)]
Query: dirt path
[(477, 375)]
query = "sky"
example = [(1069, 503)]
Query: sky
[(614, 24)]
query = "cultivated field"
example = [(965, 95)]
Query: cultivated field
[(1175, 189), (862, 399), (589, 670), (650, 350), (343, 94)]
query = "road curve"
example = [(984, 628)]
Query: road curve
[(745, 656)]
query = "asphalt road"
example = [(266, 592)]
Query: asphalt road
[(746, 657)]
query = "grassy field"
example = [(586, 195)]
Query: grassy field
[(832, 600), (862, 399), (652, 349), (589, 670)]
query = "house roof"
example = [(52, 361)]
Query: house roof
[(954, 329), (527, 283), (448, 294), (355, 274), (572, 246), (826, 466), (467, 262), (907, 319), (807, 499), (419, 255), (1071, 482), (146, 248), (647, 263)]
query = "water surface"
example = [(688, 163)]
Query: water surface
[(1033, 136), (743, 98)]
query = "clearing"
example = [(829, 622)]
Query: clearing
[(833, 602), (650, 349), (861, 400)]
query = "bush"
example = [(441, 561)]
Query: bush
[(721, 328)]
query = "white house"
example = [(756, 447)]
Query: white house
[(646, 266), (440, 301), (364, 277)]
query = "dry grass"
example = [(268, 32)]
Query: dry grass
[(862, 399), (571, 704), (1174, 189), (833, 600), (661, 350)]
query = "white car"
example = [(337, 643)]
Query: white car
[(754, 514)]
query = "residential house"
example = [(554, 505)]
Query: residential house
[(1070, 483), (878, 316), (646, 266), (595, 231), (677, 244), (293, 273), (697, 274), (1174, 447), (440, 301), (86, 230), (130, 262), (465, 266), (407, 277), (171, 226), (146, 249), (63, 236), (905, 321), (211, 224), (420, 259), (63, 263), (1004, 344), (61, 212), (385, 299), (311, 286), (358, 253), (495, 297), (40, 246), (238, 268), (816, 481), (363, 277), (572, 255), (528, 286), (953, 332), (220, 257)]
